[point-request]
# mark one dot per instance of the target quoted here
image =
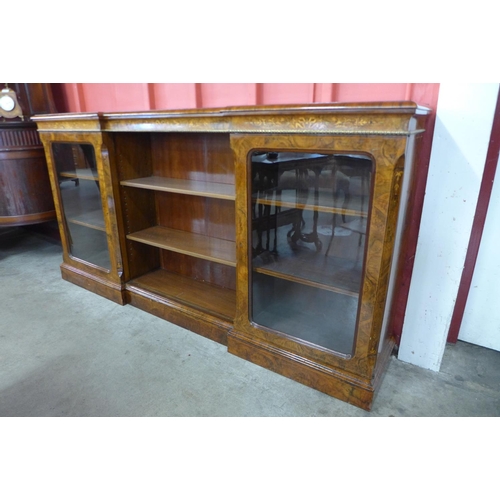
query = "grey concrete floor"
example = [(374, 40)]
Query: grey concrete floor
[(70, 353)]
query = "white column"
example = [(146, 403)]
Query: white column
[(461, 137)]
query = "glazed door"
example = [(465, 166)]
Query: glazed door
[(82, 211), (80, 173), (308, 229), (315, 221), (81, 203)]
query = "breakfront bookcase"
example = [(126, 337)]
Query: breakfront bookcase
[(272, 230)]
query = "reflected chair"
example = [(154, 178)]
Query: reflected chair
[(346, 169)]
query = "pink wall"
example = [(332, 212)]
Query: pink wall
[(105, 97)]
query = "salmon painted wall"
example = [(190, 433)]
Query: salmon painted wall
[(108, 97)]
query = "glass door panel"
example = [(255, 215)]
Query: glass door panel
[(81, 199), (308, 235)]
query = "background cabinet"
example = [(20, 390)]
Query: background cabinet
[(25, 195), (271, 230)]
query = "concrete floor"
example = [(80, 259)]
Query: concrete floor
[(68, 352)]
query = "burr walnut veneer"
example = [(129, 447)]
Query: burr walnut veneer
[(272, 230)]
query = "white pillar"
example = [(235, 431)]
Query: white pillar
[(461, 137)]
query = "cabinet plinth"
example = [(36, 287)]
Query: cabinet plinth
[(272, 230)]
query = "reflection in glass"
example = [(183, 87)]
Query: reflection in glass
[(308, 236), (81, 198)]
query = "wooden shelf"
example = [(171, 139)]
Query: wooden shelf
[(303, 281), (217, 301), (184, 186), (310, 206), (332, 274), (196, 245), (81, 173), (94, 220)]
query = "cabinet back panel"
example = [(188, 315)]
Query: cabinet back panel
[(132, 160), (195, 156), (139, 213), (197, 214), (133, 157), (141, 259), (199, 269)]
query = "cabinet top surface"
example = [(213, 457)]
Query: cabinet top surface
[(382, 117)]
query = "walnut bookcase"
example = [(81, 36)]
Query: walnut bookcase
[(272, 230)]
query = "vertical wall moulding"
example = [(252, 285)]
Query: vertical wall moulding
[(258, 94), (408, 91), (334, 94), (79, 98), (198, 95), (150, 92), (323, 92)]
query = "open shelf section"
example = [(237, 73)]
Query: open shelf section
[(184, 186), (196, 245), (217, 301), (81, 173), (93, 219)]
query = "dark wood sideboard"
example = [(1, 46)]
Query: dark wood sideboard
[(25, 193)]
